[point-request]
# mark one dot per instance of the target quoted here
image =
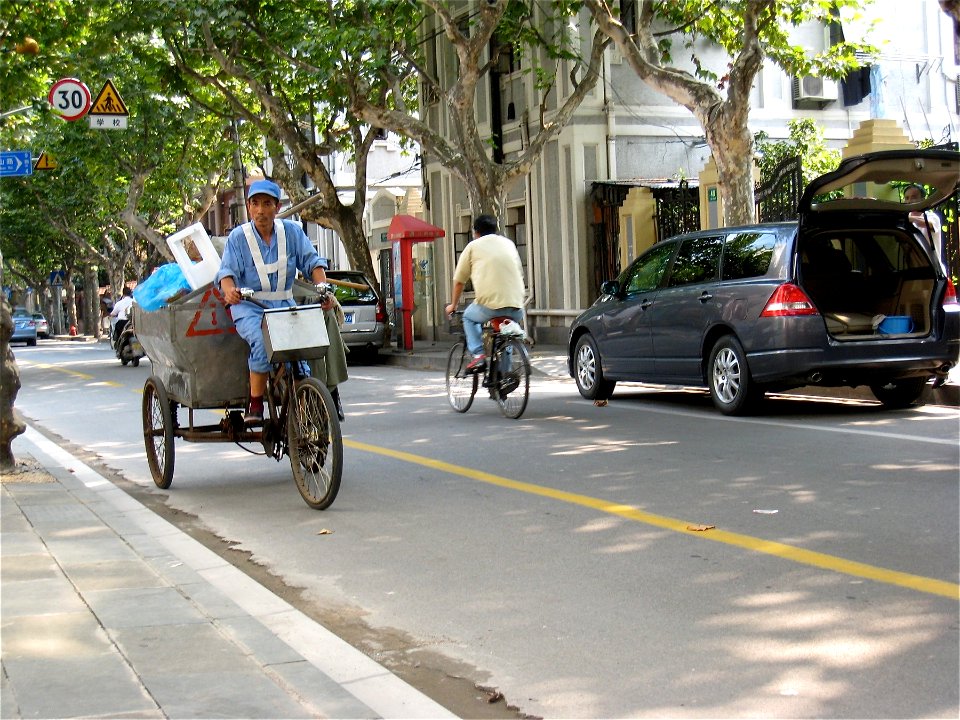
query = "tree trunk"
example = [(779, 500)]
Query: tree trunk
[(70, 299), (91, 301), (733, 152), (350, 229), (10, 427)]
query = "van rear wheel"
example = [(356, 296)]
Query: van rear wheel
[(899, 394), (731, 388)]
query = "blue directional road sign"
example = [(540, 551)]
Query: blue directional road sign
[(15, 162)]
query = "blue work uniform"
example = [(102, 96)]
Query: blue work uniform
[(270, 271)]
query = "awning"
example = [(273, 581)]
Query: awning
[(407, 227)]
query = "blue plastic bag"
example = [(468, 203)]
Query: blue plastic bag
[(167, 283)]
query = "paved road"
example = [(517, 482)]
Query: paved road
[(566, 559)]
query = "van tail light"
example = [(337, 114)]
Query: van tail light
[(381, 312), (950, 297), (788, 300)]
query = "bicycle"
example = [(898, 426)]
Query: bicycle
[(506, 375), (301, 423)]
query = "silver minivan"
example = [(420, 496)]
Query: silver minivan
[(850, 294), (365, 322)]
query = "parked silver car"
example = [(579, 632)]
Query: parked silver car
[(24, 327), (365, 317), (43, 327), (851, 294)]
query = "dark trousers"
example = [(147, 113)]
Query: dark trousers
[(117, 329)]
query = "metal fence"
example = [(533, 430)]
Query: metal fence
[(678, 209), (777, 195)]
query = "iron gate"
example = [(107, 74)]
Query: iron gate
[(678, 209), (778, 195)]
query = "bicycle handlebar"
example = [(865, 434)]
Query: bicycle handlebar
[(323, 289)]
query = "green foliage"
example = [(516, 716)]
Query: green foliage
[(720, 22), (806, 140), (174, 145)]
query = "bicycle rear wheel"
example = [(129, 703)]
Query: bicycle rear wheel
[(461, 385), (511, 377), (314, 443)]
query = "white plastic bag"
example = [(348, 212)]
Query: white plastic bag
[(512, 329)]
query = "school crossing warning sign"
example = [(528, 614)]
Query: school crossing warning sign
[(108, 111)]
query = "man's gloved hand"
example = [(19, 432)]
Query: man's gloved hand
[(327, 299)]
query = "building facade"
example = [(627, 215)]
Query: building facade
[(634, 143)]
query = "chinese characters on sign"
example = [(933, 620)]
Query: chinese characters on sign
[(108, 122), (16, 163)]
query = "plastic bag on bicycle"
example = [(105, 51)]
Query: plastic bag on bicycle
[(511, 329)]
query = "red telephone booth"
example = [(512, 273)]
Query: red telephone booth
[(404, 231)]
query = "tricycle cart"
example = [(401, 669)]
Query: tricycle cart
[(200, 364)]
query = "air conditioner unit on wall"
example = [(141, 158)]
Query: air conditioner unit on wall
[(810, 89)]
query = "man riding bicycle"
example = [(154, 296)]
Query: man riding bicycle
[(265, 254), (493, 264)]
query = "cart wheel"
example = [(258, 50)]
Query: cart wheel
[(158, 431), (314, 443)]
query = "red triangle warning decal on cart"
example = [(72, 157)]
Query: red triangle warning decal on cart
[(212, 317)]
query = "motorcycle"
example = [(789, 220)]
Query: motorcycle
[(127, 348)]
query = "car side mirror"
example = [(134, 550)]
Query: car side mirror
[(610, 287)]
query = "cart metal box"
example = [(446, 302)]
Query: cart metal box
[(296, 333), (194, 349)]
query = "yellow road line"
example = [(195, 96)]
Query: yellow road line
[(73, 373), (747, 542), (67, 371)]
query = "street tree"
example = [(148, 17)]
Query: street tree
[(112, 190), (542, 33), (274, 72), (751, 33)]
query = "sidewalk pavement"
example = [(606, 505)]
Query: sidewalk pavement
[(551, 361), (109, 611)]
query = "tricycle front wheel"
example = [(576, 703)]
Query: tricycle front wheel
[(158, 431), (314, 443)]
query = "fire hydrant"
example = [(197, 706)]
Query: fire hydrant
[(73, 331)]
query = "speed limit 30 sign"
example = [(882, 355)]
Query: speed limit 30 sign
[(69, 98)]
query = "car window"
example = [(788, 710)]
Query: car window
[(353, 296), (881, 253), (646, 272), (748, 255), (696, 262)]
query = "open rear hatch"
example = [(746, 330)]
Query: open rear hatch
[(869, 271)]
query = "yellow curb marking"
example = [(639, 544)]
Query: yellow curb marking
[(747, 542)]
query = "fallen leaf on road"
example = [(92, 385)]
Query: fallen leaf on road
[(325, 532), (701, 528), (600, 403)]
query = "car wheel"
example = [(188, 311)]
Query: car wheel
[(898, 394), (731, 387), (588, 370)]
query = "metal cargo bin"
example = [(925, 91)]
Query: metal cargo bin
[(195, 350), (295, 333)]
